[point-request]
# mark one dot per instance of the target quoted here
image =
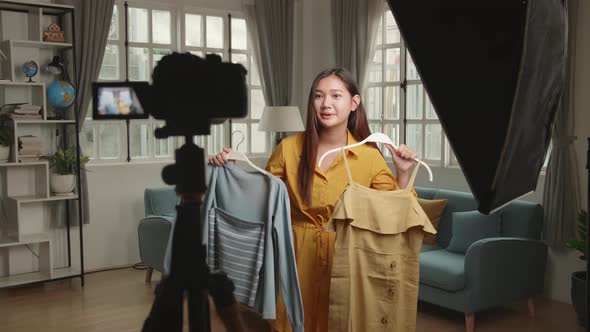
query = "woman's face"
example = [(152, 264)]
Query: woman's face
[(333, 103)]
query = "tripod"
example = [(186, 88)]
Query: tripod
[(189, 275)]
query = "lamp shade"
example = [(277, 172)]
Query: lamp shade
[(281, 119)]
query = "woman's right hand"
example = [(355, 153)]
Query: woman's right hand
[(220, 158)]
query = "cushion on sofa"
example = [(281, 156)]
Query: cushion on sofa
[(471, 226), (429, 247), (442, 269), (434, 209), (427, 193)]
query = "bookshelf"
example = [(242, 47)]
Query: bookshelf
[(27, 226)]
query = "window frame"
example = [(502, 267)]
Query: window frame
[(178, 44), (403, 120)]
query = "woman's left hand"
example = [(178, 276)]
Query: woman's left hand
[(403, 157)]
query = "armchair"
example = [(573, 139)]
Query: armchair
[(493, 271), (154, 229)]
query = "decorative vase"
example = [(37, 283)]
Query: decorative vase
[(4, 153), (579, 295), (62, 184)]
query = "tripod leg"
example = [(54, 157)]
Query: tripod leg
[(222, 291), (166, 313), (198, 311)]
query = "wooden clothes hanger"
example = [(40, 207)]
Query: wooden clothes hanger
[(377, 138)]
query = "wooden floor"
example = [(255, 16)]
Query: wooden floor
[(119, 301)]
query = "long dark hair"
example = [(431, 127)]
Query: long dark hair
[(357, 125)]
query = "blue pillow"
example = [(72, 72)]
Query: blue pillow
[(472, 226)]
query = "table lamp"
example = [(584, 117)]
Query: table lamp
[(281, 119)]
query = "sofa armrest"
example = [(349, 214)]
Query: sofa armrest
[(503, 269), (154, 232)]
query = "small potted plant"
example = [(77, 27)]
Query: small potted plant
[(63, 162), (6, 138), (579, 277)]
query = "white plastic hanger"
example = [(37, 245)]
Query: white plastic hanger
[(377, 138), (237, 155)]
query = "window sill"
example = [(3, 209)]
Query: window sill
[(103, 163)]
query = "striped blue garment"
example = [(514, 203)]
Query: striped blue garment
[(256, 249), (236, 247)]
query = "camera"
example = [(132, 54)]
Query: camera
[(188, 91)]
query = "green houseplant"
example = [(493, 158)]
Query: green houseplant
[(579, 277), (6, 138), (63, 162)]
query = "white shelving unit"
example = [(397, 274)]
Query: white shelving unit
[(26, 227)]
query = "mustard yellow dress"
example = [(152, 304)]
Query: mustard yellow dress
[(375, 274), (314, 246)]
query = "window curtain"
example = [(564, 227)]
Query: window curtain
[(355, 29), (561, 191), (270, 25), (92, 23)]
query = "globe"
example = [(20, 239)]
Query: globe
[(61, 94), (30, 69)]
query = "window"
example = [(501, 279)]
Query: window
[(152, 34), (396, 102), (245, 135)]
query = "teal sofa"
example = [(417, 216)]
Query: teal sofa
[(493, 271)]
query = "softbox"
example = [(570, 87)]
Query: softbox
[(494, 71)]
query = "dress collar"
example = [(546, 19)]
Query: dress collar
[(352, 140)]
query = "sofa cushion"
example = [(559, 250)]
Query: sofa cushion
[(471, 226), (429, 247), (458, 202), (424, 192), (434, 209), (442, 269)]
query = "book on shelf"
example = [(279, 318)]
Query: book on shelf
[(30, 152), (25, 111), (28, 107), (28, 159), (25, 116), (29, 139), (29, 146)]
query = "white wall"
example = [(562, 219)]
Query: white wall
[(116, 192), (116, 207)]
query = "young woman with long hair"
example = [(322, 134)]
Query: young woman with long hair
[(335, 117)]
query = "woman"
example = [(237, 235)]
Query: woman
[(335, 117)]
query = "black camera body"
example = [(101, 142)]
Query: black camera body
[(189, 92)]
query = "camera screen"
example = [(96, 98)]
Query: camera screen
[(117, 101)]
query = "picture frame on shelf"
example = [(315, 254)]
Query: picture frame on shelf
[(54, 34)]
